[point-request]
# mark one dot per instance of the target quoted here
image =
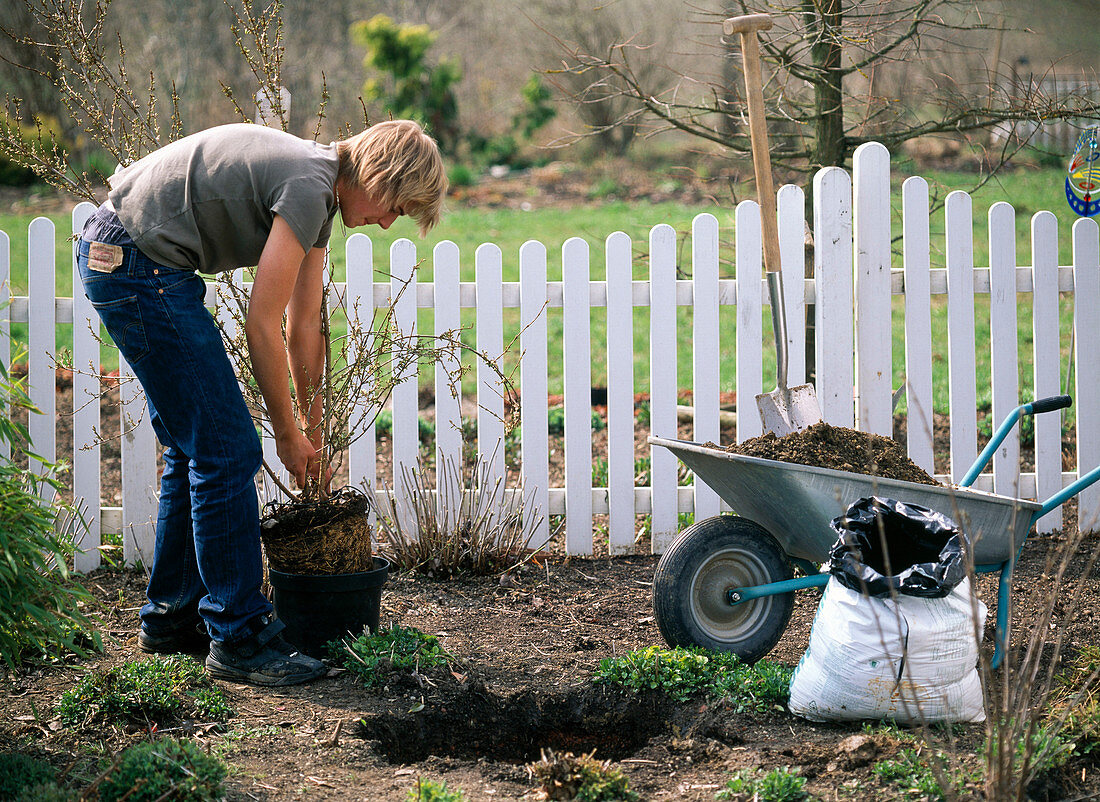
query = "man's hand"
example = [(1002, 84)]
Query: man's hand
[(301, 459)]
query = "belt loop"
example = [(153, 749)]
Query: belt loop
[(131, 261)]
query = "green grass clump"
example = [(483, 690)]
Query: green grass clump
[(156, 690), (431, 791), (778, 785), (166, 769), (395, 648), (682, 673), (566, 776)]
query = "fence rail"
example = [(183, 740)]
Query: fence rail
[(851, 292)]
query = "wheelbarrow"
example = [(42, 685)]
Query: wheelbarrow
[(726, 583)]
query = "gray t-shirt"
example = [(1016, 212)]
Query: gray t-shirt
[(207, 201)]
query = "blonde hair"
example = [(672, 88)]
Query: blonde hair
[(399, 165)]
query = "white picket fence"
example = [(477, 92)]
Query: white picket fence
[(852, 289)]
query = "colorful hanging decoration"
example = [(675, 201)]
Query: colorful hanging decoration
[(1083, 178)]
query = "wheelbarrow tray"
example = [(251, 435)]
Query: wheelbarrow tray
[(796, 503)]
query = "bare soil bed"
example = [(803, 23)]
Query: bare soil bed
[(527, 648), (527, 645)]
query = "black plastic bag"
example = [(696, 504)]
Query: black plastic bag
[(924, 550)]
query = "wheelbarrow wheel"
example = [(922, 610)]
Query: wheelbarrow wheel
[(692, 580)]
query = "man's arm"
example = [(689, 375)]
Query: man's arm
[(276, 277)]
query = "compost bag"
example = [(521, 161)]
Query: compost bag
[(895, 635)]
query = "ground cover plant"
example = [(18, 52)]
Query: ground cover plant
[(162, 769), (19, 772), (778, 785), (431, 791), (911, 774), (154, 692), (568, 776), (685, 672), (373, 657)]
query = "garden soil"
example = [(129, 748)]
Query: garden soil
[(526, 645), (836, 447)]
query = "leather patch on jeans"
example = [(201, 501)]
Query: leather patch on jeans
[(104, 258)]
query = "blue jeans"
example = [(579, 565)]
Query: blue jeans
[(207, 560)]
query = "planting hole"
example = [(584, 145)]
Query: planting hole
[(479, 723)]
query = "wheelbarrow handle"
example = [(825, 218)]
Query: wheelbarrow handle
[(1034, 408), (1048, 404)]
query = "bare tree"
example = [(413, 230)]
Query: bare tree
[(580, 27), (840, 73)]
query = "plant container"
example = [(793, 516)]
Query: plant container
[(323, 608)]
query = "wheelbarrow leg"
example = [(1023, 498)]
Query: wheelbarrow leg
[(1000, 636)]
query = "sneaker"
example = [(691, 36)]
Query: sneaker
[(189, 640), (263, 659)]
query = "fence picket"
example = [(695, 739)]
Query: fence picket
[(577, 383), (359, 261), (620, 395), (960, 333), (533, 315), (705, 348), (1047, 362), (1004, 367), (41, 342), (1086, 321), (664, 498), (791, 211), (749, 319), (86, 415), (874, 409), (448, 393), (139, 470), (406, 407), (833, 340), (490, 342), (918, 323)]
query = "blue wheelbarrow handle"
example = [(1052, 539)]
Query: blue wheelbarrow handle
[(1034, 408)]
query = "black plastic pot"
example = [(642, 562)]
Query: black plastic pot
[(319, 609)]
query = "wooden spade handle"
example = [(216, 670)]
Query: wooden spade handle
[(747, 26)]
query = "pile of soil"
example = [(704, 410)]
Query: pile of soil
[(826, 446), (319, 538)]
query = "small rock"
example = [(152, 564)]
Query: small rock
[(857, 750)]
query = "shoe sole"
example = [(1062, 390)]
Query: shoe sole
[(163, 648), (224, 672)]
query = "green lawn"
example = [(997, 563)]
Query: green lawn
[(1028, 190)]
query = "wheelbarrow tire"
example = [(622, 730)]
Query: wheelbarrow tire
[(693, 577)]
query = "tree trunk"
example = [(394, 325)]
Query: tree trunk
[(826, 18)]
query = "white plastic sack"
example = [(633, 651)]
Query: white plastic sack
[(906, 659)]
